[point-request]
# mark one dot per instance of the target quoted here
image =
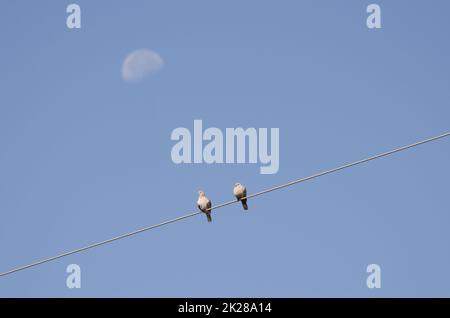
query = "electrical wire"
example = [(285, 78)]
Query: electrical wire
[(282, 186)]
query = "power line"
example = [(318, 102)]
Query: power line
[(384, 154)]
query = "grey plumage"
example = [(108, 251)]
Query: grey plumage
[(204, 204), (240, 192)]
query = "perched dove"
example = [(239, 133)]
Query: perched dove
[(240, 192), (204, 204)]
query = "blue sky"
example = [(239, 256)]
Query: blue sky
[(85, 156)]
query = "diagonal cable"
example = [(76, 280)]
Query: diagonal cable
[(279, 187)]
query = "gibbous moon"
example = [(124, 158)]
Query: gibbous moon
[(140, 64)]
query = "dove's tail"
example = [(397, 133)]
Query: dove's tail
[(244, 204), (208, 215)]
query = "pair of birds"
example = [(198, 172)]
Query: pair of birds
[(204, 204)]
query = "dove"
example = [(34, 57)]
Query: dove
[(204, 204), (240, 192)]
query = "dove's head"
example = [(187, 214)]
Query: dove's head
[(201, 193), (237, 184)]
